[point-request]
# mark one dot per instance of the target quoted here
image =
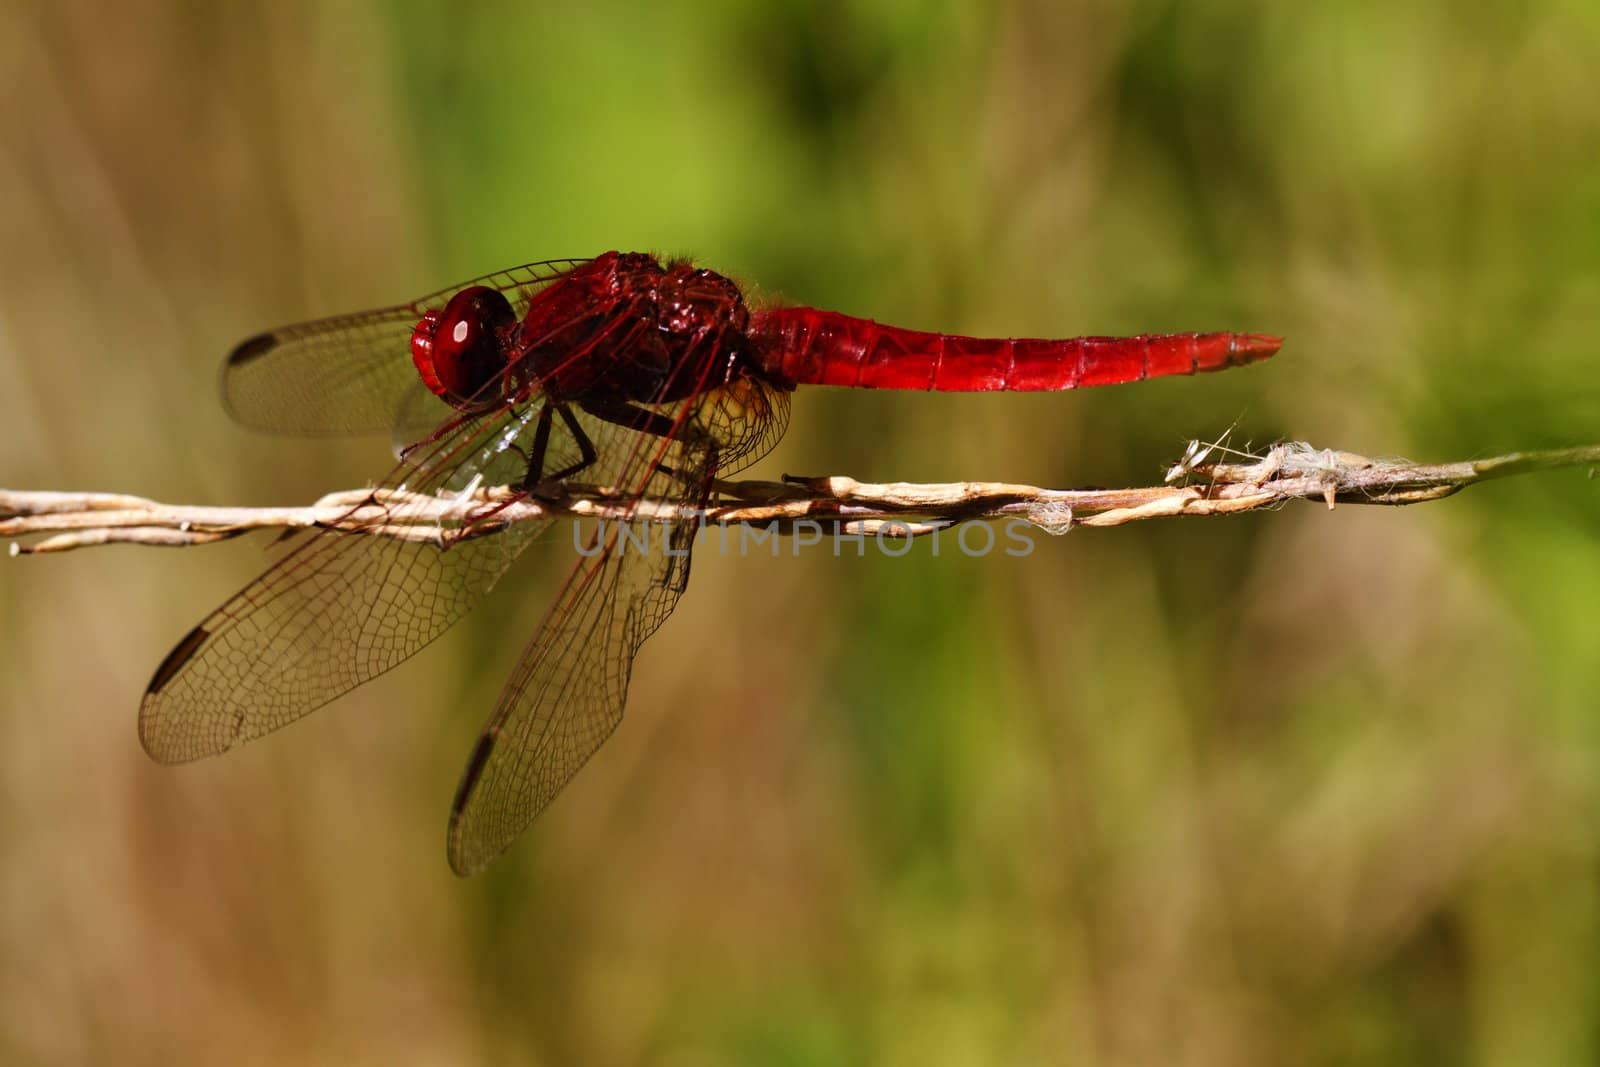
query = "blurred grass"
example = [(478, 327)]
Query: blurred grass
[(1298, 788)]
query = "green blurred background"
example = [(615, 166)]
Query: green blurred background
[(1292, 788)]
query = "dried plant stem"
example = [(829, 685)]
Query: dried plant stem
[(1199, 484)]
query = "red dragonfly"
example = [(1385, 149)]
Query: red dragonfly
[(652, 378)]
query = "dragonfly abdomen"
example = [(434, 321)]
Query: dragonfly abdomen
[(807, 346)]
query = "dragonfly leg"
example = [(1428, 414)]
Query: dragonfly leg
[(632, 417), (586, 452), (629, 416), (536, 478), (541, 444)]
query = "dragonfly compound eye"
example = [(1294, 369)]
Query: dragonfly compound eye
[(459, 351)]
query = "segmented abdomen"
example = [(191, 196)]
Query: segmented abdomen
[(808, 346)]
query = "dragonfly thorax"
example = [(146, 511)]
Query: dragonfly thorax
[(649, 334)]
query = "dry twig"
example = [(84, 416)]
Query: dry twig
[(1197, 485)]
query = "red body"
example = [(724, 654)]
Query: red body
[(811, 347), (624, 326), (654, 381)]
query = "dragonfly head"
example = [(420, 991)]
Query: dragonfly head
[(462, 350)]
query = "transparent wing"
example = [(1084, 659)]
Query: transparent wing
[(350, 373), (344, 607), (349, 604), (568, 691), (419, 413)]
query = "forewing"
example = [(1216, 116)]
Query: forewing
[(350, 373), (343, 607), (349, 604), (419, 414)]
